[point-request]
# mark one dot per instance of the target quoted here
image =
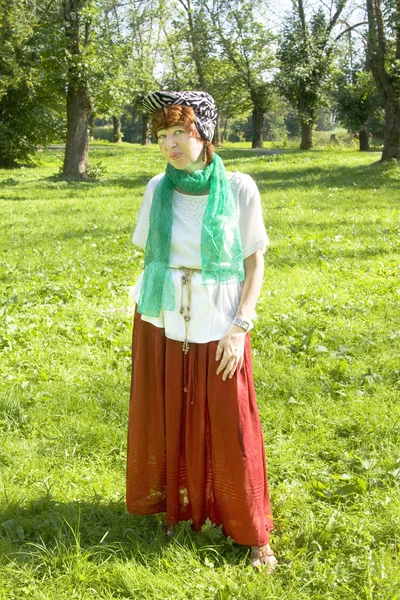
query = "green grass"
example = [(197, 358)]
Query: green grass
[(326, 365)]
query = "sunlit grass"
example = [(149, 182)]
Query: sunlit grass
[(326, 365)]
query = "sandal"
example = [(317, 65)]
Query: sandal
[(263, 556), (170, 530)]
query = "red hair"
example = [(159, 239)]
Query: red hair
[(178, 114)]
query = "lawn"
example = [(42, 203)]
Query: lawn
[(327, 372)]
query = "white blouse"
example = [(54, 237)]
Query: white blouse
[(213, 306)]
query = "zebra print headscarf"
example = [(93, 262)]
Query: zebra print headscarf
[(202, 103)]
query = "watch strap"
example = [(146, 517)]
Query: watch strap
[(246, 325)]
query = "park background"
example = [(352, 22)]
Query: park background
[(309, 106)]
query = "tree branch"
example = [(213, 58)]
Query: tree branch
[(350, 28), (380, 26), (171, 51), (88, 30), (246, 59), (376, 52), (300, 8), (336, 16)]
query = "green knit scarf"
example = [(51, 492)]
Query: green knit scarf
[(221, 247)]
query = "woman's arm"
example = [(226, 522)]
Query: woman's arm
[(230, 349)]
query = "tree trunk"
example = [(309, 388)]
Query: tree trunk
[(91, 125), (217, 134), (387, 82), (306, 135), (196, 43), (79, 108), (117, 137), (224, 133), (364, 140), (145, 131), (391, 145), (258, 124)]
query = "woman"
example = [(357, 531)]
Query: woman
[(195, 445)]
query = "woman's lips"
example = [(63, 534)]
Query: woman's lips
[(175, 155)]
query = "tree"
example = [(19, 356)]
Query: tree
[(197, 31), (357, 103), (100, 69), (384, 60), (145, 24), (197, 37), (77, 22), (225, 50), (306, 56), (246, 42)]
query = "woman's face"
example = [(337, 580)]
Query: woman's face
[(181, 149)]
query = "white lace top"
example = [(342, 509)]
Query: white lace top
[(213, 306)]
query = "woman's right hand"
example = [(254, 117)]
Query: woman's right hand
[(230, 351)]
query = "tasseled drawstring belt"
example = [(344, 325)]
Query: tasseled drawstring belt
[(186, 281)]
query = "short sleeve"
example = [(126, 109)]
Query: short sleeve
[(251, 224), (142, 226)]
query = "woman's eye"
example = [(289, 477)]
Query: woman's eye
[(161, 136)]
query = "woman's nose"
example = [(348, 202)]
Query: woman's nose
[(170, 142)]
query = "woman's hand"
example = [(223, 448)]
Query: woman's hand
[(230, 351)]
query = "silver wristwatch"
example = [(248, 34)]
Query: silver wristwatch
[(246, 325)]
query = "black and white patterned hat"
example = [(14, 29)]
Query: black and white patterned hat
[(202, 103)]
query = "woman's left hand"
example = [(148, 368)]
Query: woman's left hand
[(230, 351)]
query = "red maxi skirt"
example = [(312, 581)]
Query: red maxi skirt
[(199, 453)]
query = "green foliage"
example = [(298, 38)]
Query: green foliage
[(131, 124), (47, 48), (358, 101), (105, 132), (96, 170), (247, 43), (16, 29), (305, 63), (28, 120), (274, 128), (325, 358), (30, 112), (223, 47)]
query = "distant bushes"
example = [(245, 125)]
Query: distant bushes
[(278, 137), (103, 132)]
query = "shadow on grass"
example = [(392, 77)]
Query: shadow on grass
[(296, 177), (297, 174), (340, 177), (232, 154), (10, 182), (46, 528), (128, 181), (23, 191)]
